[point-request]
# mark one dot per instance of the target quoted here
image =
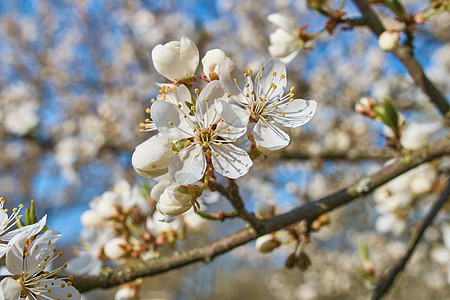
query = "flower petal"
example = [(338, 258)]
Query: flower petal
[(188, 166), (167, 63), (169, 120), (210, 92), (230, 161), (297, 113), (189, 56), (151, 158), (11, 288), (270, 136), (273, 80), (227, 74), (283, 21), (232, 114)]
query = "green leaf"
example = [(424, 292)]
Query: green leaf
[(363, 251), (386, 114)]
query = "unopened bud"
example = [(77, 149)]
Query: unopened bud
[(303, 261), (419, 18), (389, 40), (290, 261), (365, 106), (91, 218), (267, 243)]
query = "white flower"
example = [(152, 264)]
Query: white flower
[(158, 224), (211, 62), (267, 243), (151, 158), (389, 40), (7, 222), (27, 260), (417, 135), (23, 118), (91, 218), (126, 293), (205, 132), (175, 60), (265, 104), (284, 42), (116, 248), (171, 202), (194, 223), (106, 204)]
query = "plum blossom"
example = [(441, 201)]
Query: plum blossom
[(284, 42), (265, 104), (204, 133), (28, 260), (389, 40), (171, 202), (211, 62), (176, 60)]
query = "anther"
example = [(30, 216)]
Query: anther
[(179, 105), (282, 76), (216, 154), (259, 77), (229, 95), (262, 68), (274, 73), (147, 110), (192, 107), (283, 114), (153, 100), (170, 123), (250, 71), (196, 91)]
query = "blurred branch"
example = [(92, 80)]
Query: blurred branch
[(384, 285), (367, 154), (220, 216), (405, 55), (113, 277)]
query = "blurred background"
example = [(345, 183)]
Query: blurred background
[(76, 77)]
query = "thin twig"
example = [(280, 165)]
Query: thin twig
[(384, 286), (113, 277), (220, 216), (405, 55)]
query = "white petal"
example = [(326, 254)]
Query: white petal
[(169, 120), (30, 229), (40, 248), (283, 21), (232, 114), (173, 203), (226, 78), (297, 113), (159, 189), (270, 136), (210, 92), (57, 291), (231, 162), (151, 158), (11, 289), (211, 60), (14, 255), (188, 166), (167, 63), (281, 36), (84, 264), (189, 56), (264, 87)]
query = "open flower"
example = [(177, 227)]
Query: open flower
[(204, 133), (176, 60), (27, 260), (284, 42), (264, 103)]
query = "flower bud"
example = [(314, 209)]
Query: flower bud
[(389, 40), (176, 60), (151, 158), (126, 293), (211, 61), (194, 223), (91, 218), (171, 202), (267, 243), (365, 106), (303, 261), (290, 261), (106, 204), (264, 210), (115, 248)]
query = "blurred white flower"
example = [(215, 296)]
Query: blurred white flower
[(158, 224), (22, 118), (267, 243), (284, 42), (417, 135), (194, 223), (176, 60), (116, 248)]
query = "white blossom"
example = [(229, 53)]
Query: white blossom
[(176, 60), (211, 62), (284, 42), (171, 202), (27, 259), (267, 243), (264, 104), (205, 132), (115, 248)]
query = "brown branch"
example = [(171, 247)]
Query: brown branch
[(220, 216), (384, 286), (113, 277), (404, 54)]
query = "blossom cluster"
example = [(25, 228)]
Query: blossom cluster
[(29, 253), (218, 129)]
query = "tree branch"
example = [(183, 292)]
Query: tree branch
[(113, 277), (404, 54), (384, 286)]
